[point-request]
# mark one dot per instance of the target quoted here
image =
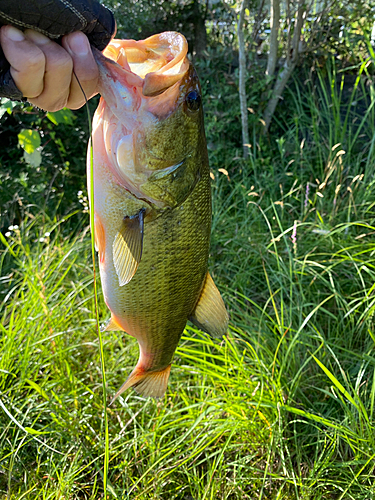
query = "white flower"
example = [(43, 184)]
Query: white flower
[(7, 234), (41, 240), (47, 234)]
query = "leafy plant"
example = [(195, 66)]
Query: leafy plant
[(44, 165)]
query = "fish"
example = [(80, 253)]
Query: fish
[(152, 202)]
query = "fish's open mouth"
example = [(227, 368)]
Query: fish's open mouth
[(159, 61), (143, 85)]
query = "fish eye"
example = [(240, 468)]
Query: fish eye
[(193, 100)]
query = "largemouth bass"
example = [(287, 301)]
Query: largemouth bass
[(152, 202)]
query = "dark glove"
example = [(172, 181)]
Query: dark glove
[(54, 18)]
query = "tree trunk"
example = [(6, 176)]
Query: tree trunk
[(242, 80), (293, 51), (274, 37), (278, 89), (200, 33)]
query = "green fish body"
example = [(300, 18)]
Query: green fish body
[(152, 202)]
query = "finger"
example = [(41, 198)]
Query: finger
[(27, 61), (85, 68), (57, 75)]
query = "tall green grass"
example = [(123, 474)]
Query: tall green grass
[(280, 408)]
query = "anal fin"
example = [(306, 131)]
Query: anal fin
[(110, 326), (127, 247), (146, 383), (210, 314)]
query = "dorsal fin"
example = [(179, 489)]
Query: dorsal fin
[(210, 314), (127, 247)]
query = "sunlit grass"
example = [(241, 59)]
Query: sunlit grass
[(51, 391)]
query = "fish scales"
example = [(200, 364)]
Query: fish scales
[(172, 243), (152, 203)]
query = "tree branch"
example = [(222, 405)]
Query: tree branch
[(242, 80)]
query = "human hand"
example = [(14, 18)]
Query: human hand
[(43, 70), (35, 66)]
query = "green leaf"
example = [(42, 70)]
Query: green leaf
[(6, 106), (65, 116), (6, 244), (34, 159), (30, 430), (38, 389), (29, 140), (358, 405)]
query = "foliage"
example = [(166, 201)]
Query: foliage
[(140, 20), (344, 31), (43, 164)]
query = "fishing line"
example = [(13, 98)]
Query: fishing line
[(104, 384)]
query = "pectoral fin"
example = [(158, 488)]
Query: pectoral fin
[(210, 314), (127, 247)]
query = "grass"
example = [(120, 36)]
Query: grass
[(281, 408)]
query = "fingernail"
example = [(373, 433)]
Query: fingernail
[(14, 34), (37, 37), (79, 44)]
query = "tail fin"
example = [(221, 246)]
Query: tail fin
[(146, 383)]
